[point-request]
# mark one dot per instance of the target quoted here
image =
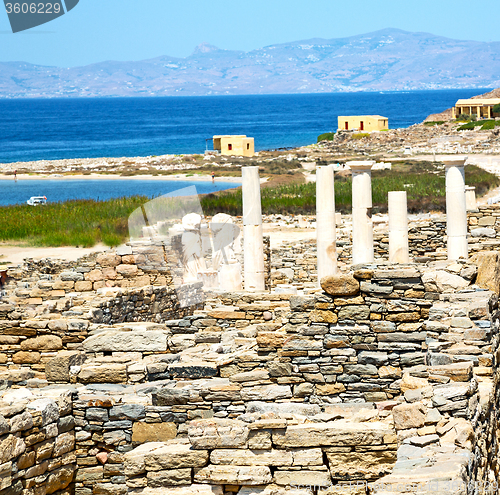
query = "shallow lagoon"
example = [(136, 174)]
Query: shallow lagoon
[(13, 192)]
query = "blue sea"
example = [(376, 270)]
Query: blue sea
[(48, 129), (13, 192)]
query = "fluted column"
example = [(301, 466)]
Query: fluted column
[(252, 230), (456, 211), (470, 198), (398, 227), (325, 222), (362, 225)]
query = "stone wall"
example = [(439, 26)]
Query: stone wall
[(484, 466), (403, 353), (37, 442), (35, 342), (386, 370)]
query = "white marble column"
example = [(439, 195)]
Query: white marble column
[(470, 198), (253, 242), (456, 211), (398, 227), (325, 222), (362, 225)]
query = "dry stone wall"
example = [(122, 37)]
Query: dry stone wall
[(277, 395), (382, 379), (37, 442)]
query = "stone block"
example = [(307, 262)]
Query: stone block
[(68, 276), (266, 392), (175, 456), (442, 281), (303, 478), (5, 475), (227, 315), (486, 221), (408, 416), (59, 479), (218, 434), (488, 275), (109, 489), (48, 409), (108, 259), (10, 448), (64, 443), (298, 343), (171, 396), (109, 373), (170, 477), (271, 339), (247, 457), (193, 369), (250, 376), (58, 325), (339, 433), (233, 475), (138, 340), (133, 412), (361, 465), (340, 285), (83, 286), (127, 270), (153, 432), (42, 343), (21, 422), (330, 389), (194, 489), (94, 276), (259, 439), (57, 369), (357, 312), (26, 357), (458, 372), (323, 316)]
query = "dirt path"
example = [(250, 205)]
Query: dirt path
[(10, 254)]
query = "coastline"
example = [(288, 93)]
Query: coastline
[(176, 177)]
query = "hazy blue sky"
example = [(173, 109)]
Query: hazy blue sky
[(98, 30)]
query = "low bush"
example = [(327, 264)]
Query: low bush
[(327, 136), (488, 125), (466, 127)]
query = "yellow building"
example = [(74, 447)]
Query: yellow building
[(481, 108), (363, 123), (234, 145)]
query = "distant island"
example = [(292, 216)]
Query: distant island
[(386, 60)]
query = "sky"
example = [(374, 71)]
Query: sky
[(99, 30)]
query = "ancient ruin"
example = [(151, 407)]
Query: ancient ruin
[(382, 380)]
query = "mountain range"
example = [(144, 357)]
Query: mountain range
[(386, 60)]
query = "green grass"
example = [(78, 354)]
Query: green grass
[(484, 124), (424, 181), (86, 223), (72, 223), (327, 136), (432, 123)]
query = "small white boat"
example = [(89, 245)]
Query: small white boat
[(37, 200)]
